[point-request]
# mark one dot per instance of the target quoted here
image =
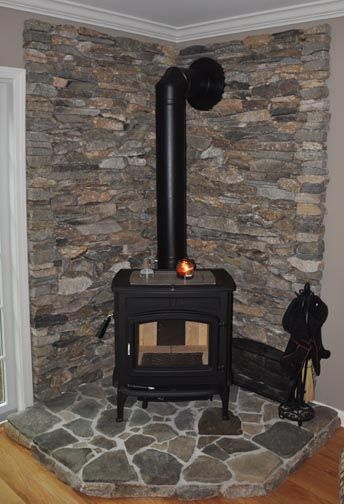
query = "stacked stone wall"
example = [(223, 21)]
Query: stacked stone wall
[(256, 181), (257, 173), (91, 189)]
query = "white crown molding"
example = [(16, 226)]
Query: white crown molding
[(72, 11), (313, 11)]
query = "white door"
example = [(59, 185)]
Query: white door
[(15, 350)]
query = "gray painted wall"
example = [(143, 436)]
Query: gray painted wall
[(332, 378)]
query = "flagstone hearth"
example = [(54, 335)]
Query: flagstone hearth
[(169, 449)]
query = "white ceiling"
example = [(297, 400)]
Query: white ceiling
[(184, 20), (178, 13)]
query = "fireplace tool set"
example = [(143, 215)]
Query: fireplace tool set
[(303, 320)]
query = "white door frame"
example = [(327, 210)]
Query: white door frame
[(15, 78)]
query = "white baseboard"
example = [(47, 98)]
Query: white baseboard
[(340, 412)]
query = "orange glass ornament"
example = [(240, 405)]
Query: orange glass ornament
[(185, 268)]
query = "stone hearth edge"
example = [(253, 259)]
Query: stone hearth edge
[(177, 449)]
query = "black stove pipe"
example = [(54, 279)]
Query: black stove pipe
[(171, 167), (202, 85)]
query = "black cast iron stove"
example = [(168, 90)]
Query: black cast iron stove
[(173, 336)]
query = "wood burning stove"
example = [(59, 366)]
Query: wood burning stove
[(172, 336)]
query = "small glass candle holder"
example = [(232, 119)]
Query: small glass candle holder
[(185, 268), (146, 271)]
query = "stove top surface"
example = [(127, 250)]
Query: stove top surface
[(169, 277)]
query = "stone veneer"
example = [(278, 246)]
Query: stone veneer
[(256, 181), (169, 449), (91, 189), (257, 173)]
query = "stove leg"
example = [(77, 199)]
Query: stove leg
[(225, 402), (144, 403), (121, 398), (114, 377)]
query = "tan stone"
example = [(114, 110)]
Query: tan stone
[(290, 69), (42, 183), (271, 215), (253, 116), (100, 102), (309, 84), (305, 266), (61, 40), (68, 286), (312, 179), (309, 198), (59, 82), (312, 146), (255, 311), (72, 252), (289, 185), (289, 127), (251, 429), (17, 436), (39, 104), (228, 106), (308, 209), (254, 468), (255, 41), (103, 74), (98, 154), (34, 55), (94, 197), (307, 237), (110, 124)]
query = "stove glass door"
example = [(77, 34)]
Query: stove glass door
[(172, 343)]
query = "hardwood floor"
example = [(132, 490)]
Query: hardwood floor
[(24, 480)]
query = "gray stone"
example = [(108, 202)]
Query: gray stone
[(73, 285), (160, 431), (73, 458), (185, 420), (87, 408), (106, 382), (206, 440), (112, 399), (103, 442), (322, 418), (105, 227), (207, 470), (33, 421), (284, 439), (250, 417), (270, 411), (211, 423), (158, 468), (110, 467), (191, 492), (136, 442), (107, 424), (139, 417), (92, 390), (254, 468), (80, 427), (161, 408), (250, 402), (50, 441), (215, 451), (230, 445), (182, 447)]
